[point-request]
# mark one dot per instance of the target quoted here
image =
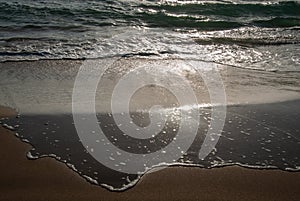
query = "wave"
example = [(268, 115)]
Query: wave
[(204, 16), (246, 42)]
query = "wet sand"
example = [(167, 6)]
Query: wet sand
[(48, 179), (48, 85)]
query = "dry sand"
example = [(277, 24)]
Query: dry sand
[(48, 179)]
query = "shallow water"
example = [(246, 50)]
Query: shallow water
[(258, 136)]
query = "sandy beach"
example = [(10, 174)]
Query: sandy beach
[(48, 179)]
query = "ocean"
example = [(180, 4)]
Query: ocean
[(159, 46), (249, 34)]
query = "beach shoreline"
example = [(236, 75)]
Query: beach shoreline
[(48, 179)]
